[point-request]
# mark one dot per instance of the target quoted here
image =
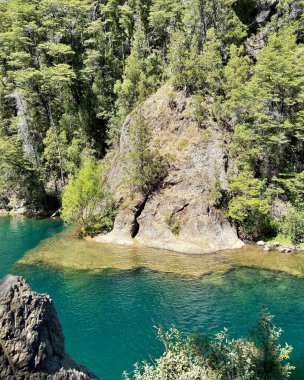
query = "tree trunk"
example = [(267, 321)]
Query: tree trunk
[(202, 26), (57, 142), (24, 129)]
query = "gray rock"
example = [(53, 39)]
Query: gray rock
[(276, 244), (281, 249), (196, 169), (266, 248), (31, 339), (261, 243)]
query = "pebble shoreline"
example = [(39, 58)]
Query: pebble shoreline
[(276, 246)]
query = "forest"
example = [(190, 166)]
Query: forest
[(72, 70)]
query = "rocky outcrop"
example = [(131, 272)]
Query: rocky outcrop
[(186, 213), (31, 339)]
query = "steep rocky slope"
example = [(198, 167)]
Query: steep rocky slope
[(190, 197), (31, 340)]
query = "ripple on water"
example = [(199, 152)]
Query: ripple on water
[(108, 318)]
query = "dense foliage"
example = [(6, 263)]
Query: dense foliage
[(259, 357), (72, 70)]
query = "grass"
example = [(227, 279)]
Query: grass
[(284, 239), (173, 223), (183, 143)]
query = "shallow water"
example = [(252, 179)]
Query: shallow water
[(108, 315), (66, 251)]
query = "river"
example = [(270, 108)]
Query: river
[(108, 315)]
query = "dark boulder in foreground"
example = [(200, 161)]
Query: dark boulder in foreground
[(31, 339)]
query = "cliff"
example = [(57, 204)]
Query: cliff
[(185, 213), (31, 339)]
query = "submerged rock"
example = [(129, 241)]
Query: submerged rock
[(31, 339)]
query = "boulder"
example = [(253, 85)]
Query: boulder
[(193, 195), (281, 249), (261, 243), (31, 339), (275, 244)]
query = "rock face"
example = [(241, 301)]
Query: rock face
[(185, 213), (31, 339)]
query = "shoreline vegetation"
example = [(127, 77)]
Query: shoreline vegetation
[(260, 356)]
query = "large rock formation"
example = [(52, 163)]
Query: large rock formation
[(192, 196), (31, 339)]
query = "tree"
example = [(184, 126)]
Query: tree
[(196, 73), (85, 202), (272, 106), (249, 205), (141, 75), (271, 363), (145, 166), (165, 17), (293, 226)]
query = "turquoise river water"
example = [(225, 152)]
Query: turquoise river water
[(108, 318)]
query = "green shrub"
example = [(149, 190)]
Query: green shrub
[(146, 166), (293, 226), (249, 205), (86, 203), (183, 143), (199, 109), (218, 357), (175, 227), (173, 223), (172, 99)]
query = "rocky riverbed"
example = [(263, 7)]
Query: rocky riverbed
[(279, 247)]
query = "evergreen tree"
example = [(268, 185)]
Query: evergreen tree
[(141, 76), (145, 166)]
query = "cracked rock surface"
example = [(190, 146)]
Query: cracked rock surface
[(31, 339), (192, 196)]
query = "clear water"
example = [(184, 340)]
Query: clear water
[(19, 234), (108, 318)]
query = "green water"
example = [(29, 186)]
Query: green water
[(19, 234), (108, 318)]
